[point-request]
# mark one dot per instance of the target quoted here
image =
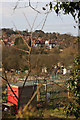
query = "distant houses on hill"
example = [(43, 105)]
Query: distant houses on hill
[(47, 43), (45, 39), (10, 41)]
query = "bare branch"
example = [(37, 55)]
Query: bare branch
[(9, 86), (34, 21), (33, 7), (36, 5), (16, 5), (39, 24), (48, 12), (21, 50), (44, 21), (31, 98), (22, 37), (27, 20), (25, 6)]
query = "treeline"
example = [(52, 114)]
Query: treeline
[(38, 33), (15, 59)]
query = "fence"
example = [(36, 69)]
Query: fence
[(53, 86)]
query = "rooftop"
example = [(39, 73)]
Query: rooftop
[(20, 84)]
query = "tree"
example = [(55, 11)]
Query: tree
[(74, 87), (72, 8), (18, 41), (67, 7), (8, 31), (13, 59), (28, 53)]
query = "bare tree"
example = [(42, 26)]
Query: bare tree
[(27, 45)]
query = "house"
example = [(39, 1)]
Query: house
[(64, 71), (44, 70), (39, 43), (47, 44), (52, 43)]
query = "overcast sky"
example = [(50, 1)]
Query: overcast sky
[(54, 23)]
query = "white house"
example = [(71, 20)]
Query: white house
[(44, 70), (64, 71)]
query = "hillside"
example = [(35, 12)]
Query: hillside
[(65, 49)]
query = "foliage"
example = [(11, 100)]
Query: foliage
[(74, 86), (13, 59), (67, 7), (71, 109), (72, 8), (68, 55), (18, 41), (8, 31)]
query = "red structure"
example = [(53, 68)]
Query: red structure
[(27, 92), (11, 97)]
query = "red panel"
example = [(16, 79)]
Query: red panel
[(11, 97)]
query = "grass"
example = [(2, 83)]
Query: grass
[(60, 113)]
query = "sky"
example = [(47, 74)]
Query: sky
[(17, 20)]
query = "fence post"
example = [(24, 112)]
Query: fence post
[(38, 91), (68, 91), (46, 92)]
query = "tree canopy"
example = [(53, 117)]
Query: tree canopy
[(67, 7)]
